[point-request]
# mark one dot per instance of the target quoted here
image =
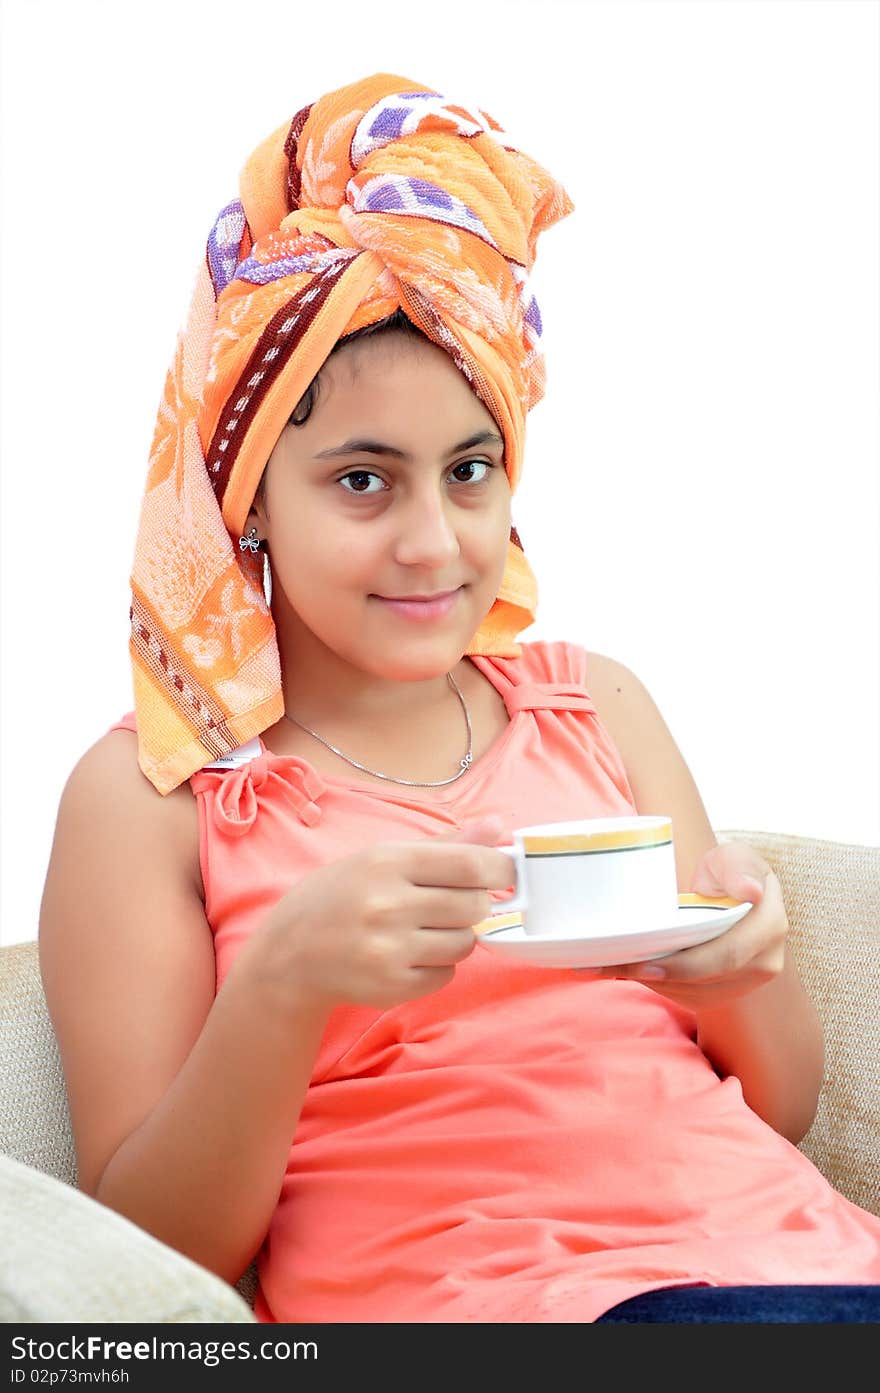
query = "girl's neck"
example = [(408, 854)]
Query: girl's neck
[(407, 730), (323, 687)]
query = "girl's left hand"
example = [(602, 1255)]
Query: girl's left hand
[(748, 955)]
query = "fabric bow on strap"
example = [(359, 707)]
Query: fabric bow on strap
[(380, 196), (239, 792)]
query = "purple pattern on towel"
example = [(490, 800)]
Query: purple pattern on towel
[(402, 112), (262, 272), (432, 194), (397, 193), (224, 241), (385, 199), (389, 122)]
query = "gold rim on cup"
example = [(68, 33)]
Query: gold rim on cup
[(580, 843)]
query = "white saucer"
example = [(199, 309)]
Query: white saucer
[(698, 920)]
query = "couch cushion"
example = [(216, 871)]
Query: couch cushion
[(66, 1258), (832, 897), (34, 1120)]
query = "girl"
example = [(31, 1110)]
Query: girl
[(257, 934)]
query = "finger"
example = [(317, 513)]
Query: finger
[(487, 828), (434, 908), (459, 865), (733, 868), (714, 961), (441, 947), (422, 981), (649, 968)]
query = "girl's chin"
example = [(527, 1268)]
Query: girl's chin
[(415, 667), (413, 659)]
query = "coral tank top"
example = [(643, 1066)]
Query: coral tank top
[(527, 1144)]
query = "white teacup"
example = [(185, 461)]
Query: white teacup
[(593, 876)]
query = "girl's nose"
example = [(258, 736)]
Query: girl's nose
[(426, 535)]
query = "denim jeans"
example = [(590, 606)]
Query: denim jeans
[(753, 1305)]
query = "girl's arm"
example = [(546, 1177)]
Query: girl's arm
[(754, 1019), (183, 1104), (183, 1107)]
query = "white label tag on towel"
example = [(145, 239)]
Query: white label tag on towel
[(242, 755)]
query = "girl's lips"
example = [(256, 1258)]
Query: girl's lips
[(422, 610)]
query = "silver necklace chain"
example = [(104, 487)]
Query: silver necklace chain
[(465, 763)]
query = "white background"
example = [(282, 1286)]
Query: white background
[(700, 496)]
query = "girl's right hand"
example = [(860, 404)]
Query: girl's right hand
[(385, 924)]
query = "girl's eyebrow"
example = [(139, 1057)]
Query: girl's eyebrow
[(357, 446)]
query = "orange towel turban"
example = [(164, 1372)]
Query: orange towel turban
[(383, 195)]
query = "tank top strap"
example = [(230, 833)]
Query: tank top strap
[(547, 676), (548, 696)]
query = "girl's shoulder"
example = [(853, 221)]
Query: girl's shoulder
[(558, 660), (106, 789), (622, 702)]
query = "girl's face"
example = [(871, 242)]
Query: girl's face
[(393, 490)]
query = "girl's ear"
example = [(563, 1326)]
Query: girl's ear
[(257, 516)]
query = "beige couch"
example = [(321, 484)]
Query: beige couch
[(65, 1258)]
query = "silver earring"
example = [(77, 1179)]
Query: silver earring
[(253, 544)]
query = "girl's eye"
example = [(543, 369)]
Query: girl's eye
[(474, 471), (360, 481), (471, 471)]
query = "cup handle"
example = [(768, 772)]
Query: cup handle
[(518, 900)]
